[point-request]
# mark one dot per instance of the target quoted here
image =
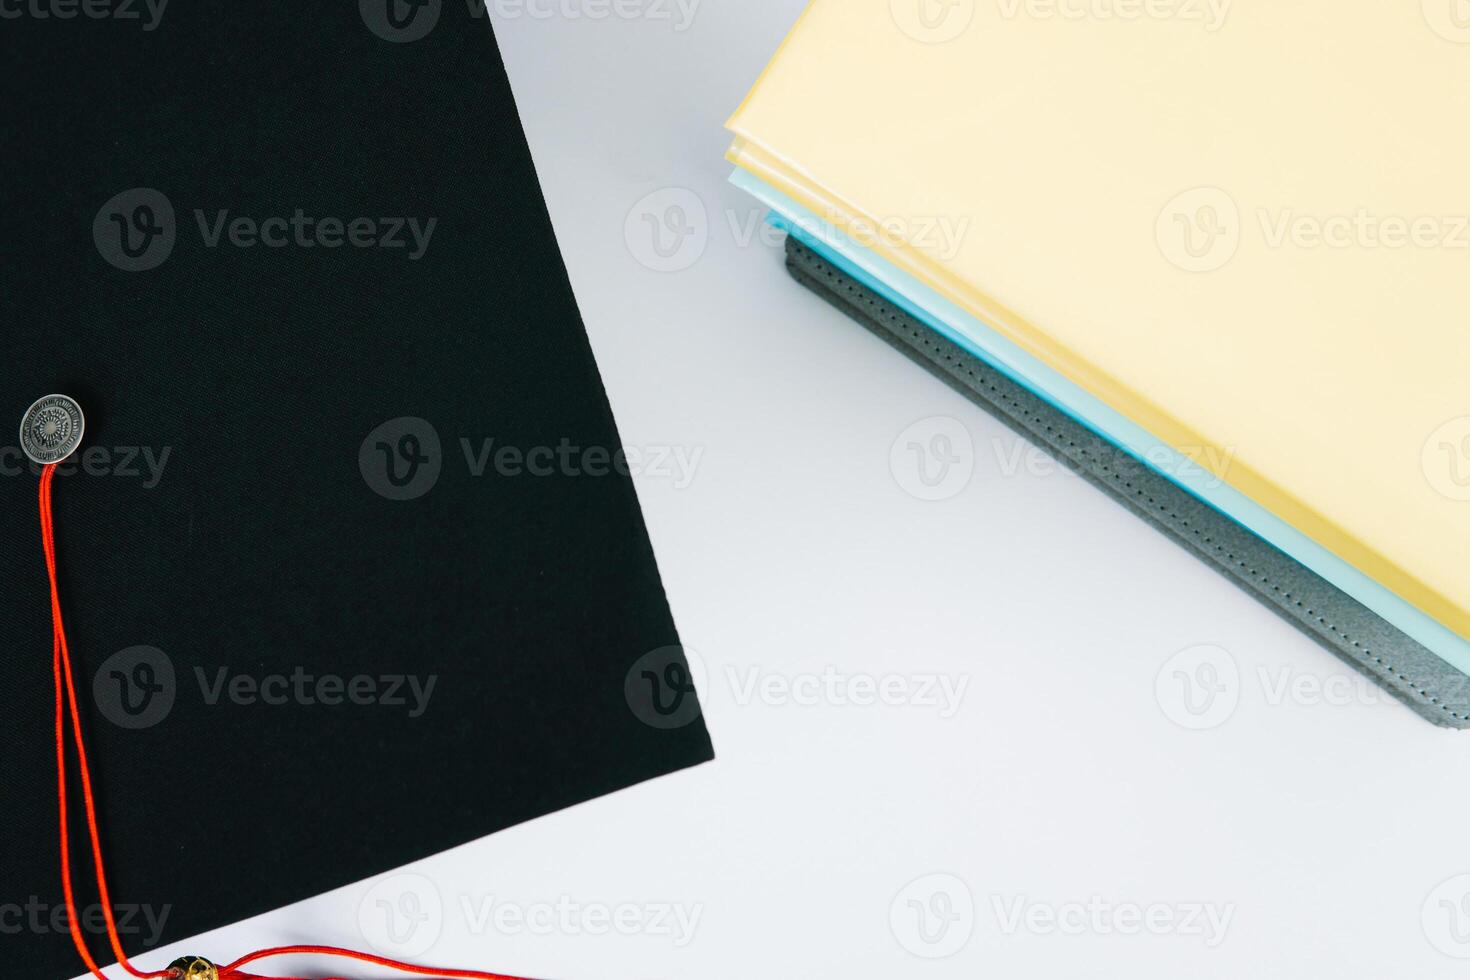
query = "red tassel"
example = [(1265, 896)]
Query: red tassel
[(188, 968)]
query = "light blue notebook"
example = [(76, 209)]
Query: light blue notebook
[(964, 330)]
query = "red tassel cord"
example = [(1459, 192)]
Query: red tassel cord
[(187, 968)]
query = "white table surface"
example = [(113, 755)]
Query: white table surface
[(1028, 775)]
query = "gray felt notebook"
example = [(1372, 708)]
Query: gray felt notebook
[(1412, 673)]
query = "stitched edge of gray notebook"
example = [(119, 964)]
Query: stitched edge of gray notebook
[(1402, 666)]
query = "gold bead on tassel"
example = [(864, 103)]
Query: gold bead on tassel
[(194, 968)]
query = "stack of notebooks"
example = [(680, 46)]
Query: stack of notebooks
[(1216, 258)]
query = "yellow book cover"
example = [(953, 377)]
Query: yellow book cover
[(1244, 226)]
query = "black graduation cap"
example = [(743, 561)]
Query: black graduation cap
[(352, 568)]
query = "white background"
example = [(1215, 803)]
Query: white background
[(1326, 822)]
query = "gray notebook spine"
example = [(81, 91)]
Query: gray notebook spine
[(1396, 662)]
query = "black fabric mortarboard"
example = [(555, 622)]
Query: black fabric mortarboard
[(284, 494)]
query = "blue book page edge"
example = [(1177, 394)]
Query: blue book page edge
[(953, 323)]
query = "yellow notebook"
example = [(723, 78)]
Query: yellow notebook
[(1243, 227)]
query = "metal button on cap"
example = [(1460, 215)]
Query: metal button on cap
[(52, 429)]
